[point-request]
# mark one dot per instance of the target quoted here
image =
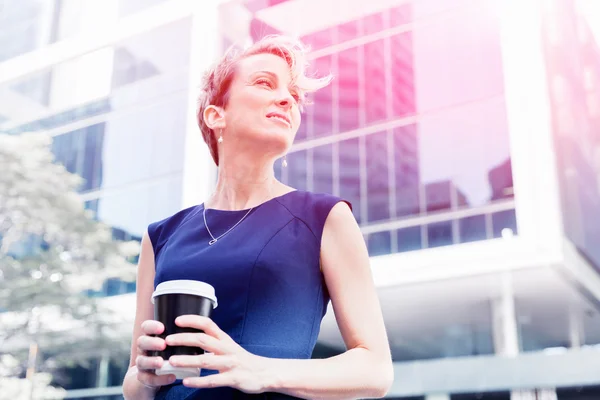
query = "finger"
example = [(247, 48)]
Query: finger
[(206, 361), (149, 343), (210, 381), (150, 379), (148, 363), (202, 340), (152, 327), (203, 323)]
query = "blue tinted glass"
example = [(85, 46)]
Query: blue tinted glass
[(458, 148), (472, 228), (92, 157), (406, 170), (323, 169), (504, 220), (347, 78), (379, 243), (297, 170), (439, 234), (350, 174), (322, 109), (306, 115), (404, 98), (375, 86), (409, 239), (378, 196), (277, 169)]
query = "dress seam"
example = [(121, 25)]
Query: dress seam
[(299, 219), (252, 275)]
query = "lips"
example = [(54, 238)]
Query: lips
[(281, 117)]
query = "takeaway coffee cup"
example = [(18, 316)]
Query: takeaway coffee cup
[(172, 299)]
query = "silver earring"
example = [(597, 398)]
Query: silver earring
[(220, 140), (284, 162)]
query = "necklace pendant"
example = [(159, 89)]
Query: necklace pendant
[(212, 242)]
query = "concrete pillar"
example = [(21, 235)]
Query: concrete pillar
[(437, 396), (576, 331), (504, 321)]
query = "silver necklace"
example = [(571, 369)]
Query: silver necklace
[(214, 239)]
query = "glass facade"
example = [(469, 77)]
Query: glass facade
[(573, 65), (415, 125), (27, 25)]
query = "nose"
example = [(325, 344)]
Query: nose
[(285, 100)]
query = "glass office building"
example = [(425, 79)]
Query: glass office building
[(464, 132)]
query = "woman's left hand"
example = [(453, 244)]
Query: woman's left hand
[(237, 367)]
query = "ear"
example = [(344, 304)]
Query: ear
[(214, 117)]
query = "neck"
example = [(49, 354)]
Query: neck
[(242, 184)]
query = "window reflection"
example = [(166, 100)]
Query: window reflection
[(403, 74), (378, 199), (406, 170), (323, 169), (379, 243), (457, 151), (439, 234), (350, 174), (504, 220), (347, 77), (458, 58), (409, 239), (375, 86), (472, 228), (320, 39), (297, 170), (322, 109)]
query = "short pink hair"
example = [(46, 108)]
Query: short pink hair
[(217, 80)]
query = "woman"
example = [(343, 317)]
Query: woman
[(275, 256)]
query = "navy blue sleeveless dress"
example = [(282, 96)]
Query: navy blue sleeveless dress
[(266, 274)]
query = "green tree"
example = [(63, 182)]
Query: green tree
[(53, 252)]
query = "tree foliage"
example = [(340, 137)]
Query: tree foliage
[(52, 253)]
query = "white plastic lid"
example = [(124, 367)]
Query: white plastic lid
[(183, 286), (179, 372)]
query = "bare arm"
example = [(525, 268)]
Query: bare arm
[(365, 370), (132, 387)]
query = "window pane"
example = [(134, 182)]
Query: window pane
[(472, 228), (406, 170), (378, 197), (374, 78), (409, 239), (348, 89), (347, 31), (374, 23), (323, 169), (458, 59), (350, 174), (149, 60), (320, 39), (379, 243), (297, 169), (322, 109), (458, 150), (504, 220), (403, 100), (439, 234)]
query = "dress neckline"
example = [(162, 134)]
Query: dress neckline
[(247, 209)]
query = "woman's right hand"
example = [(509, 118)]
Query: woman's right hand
[(145, 364)]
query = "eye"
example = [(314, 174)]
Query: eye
[(296, 96), (264, 82)]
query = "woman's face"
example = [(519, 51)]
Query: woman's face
[(263, 103)]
